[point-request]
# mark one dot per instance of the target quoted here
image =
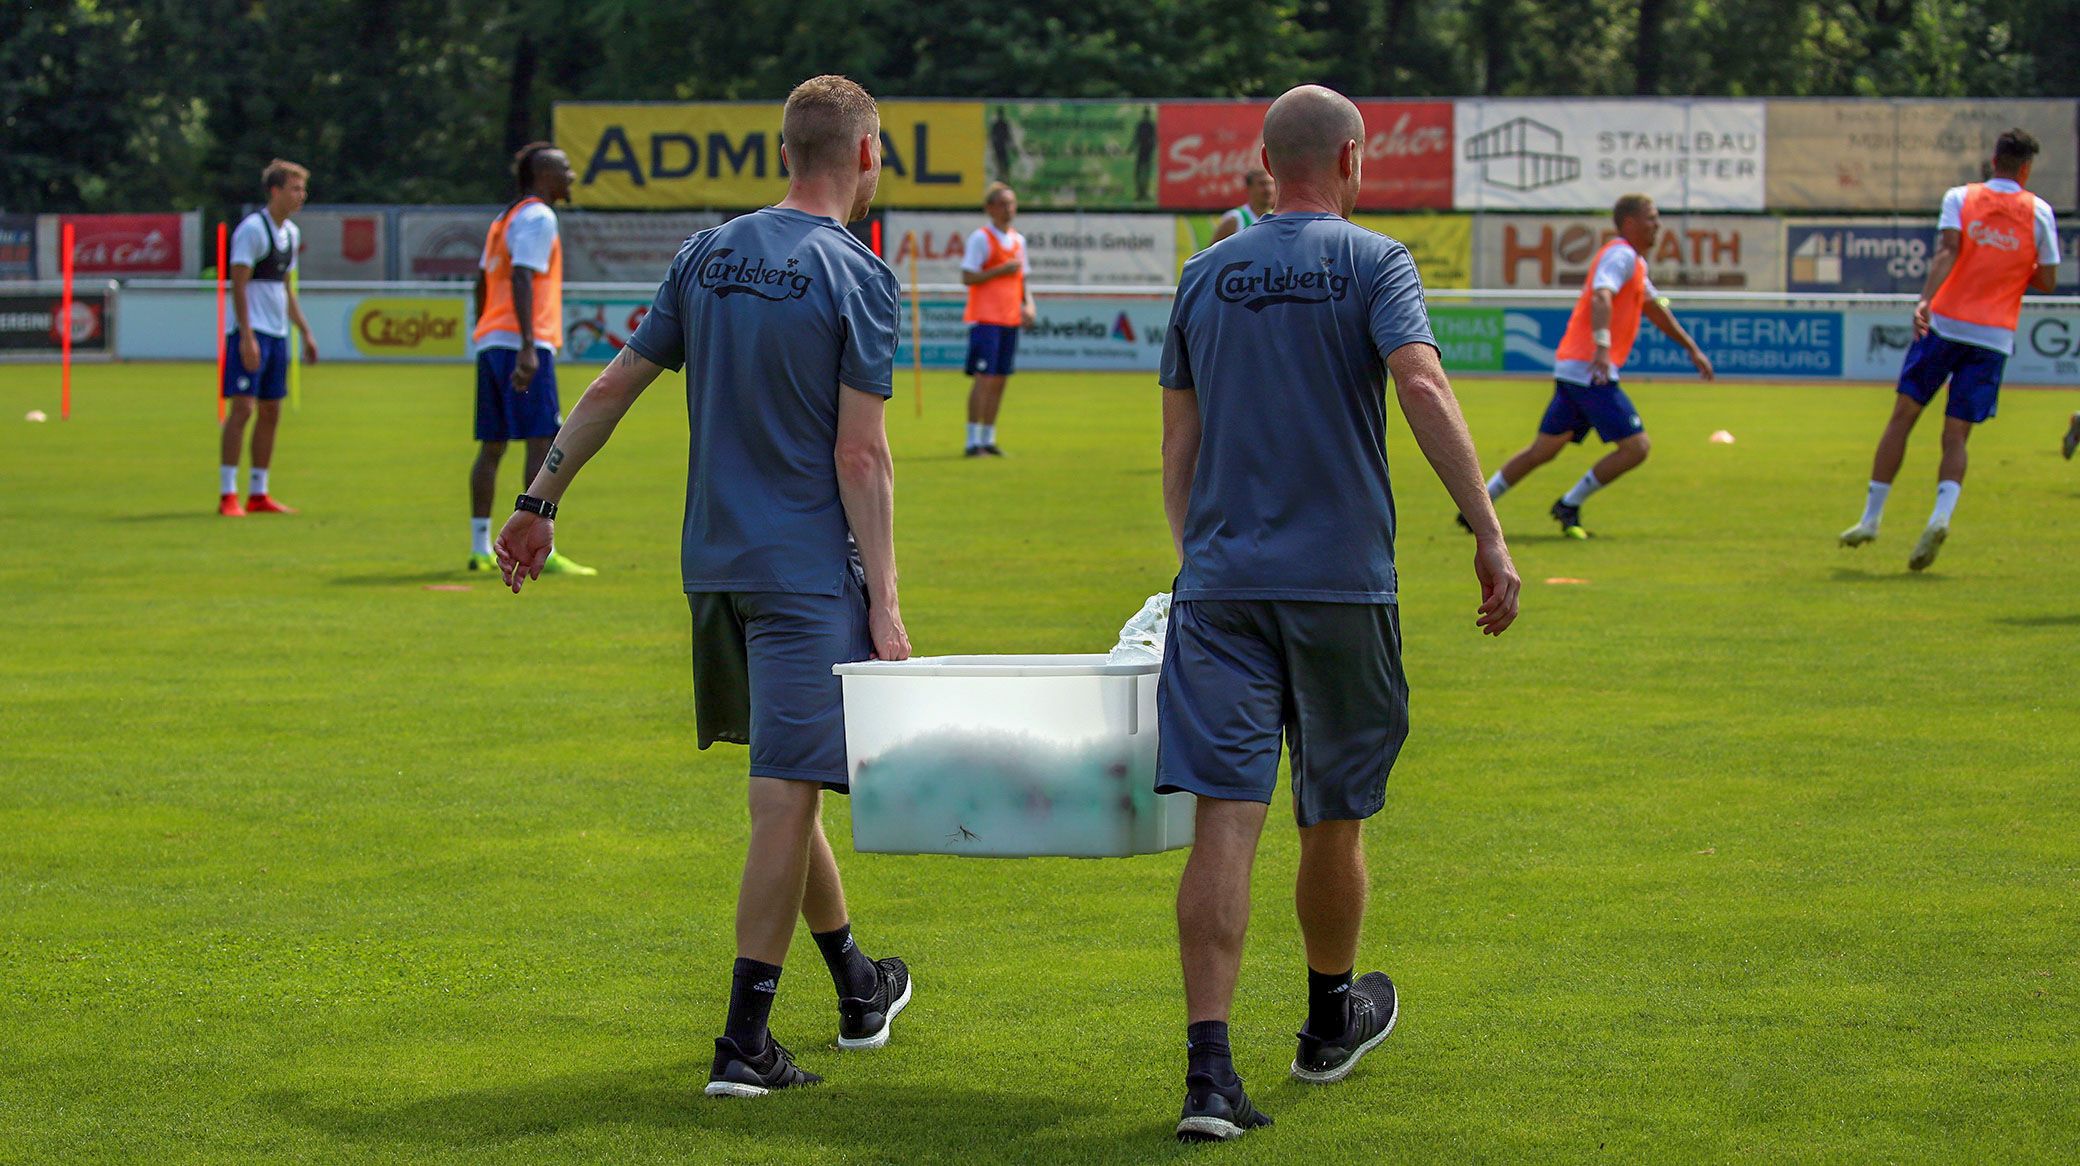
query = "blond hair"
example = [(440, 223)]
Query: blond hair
[(1629, 205), (824, 119), (280, 171)]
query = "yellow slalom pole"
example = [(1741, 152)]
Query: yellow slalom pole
[(916, 324), (295, 356)]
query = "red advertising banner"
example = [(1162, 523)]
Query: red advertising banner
[(1207, 146), (127, 244)]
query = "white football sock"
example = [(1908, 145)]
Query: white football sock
[(989, 435), (1874, 503), (1582, 489), (480, 536), (227, 479), (974, 433), (257, 481), (1946, 501), (1497, 486)]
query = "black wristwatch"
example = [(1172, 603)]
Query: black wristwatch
[(534, 505)]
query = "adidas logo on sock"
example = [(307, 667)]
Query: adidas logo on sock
[(769, 987)]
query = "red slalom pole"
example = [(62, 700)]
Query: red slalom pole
[(65, 233), (223, 257)]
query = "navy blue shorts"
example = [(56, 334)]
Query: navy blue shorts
[(271, 383), (1577, 409), (1239, 674), (1974, 374), (762, 677), (504, 415), (992, 349)]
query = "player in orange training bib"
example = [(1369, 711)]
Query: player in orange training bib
[(1996, 241), (1599, 338)]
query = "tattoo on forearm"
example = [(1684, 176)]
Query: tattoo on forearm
[(554, 459)]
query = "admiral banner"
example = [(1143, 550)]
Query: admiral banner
[(626, 248), (1441, 245), (1581, 155), (726, 154), (1062, 250), (1066, 154), (32, 322), (1098, 333), (1902, 155), (344, 243), (1719, 252), (1207, 147)]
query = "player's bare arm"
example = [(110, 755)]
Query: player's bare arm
[(1182, 430), (866, 487), (523, 307), (2046, 278), (1434, 417), (303, 326), (525, 542), (1229, 224), (1938, 270), (1008, 267), (1600, 328), (248, 343), (1673, 328)]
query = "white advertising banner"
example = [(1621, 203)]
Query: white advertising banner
[(1103, 333), (1719, 252), (442, 244), (1582, 155), (1061, 249), (2047, 345), (629, 247), (344, 242)]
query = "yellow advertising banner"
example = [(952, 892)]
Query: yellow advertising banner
[(1441, 245), (727, 154), (413, 328)]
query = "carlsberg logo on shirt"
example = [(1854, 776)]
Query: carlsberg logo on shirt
[(1990, 236), (747, 275), (1260, 289)]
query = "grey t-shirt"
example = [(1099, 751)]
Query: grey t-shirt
[(769, 313), (1284, 330)]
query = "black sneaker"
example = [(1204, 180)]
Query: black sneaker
[(973, 451), (1569, 518), (737, 1074), (1373, 1010), (991, 450), (864, 1023), (1212, 1114)]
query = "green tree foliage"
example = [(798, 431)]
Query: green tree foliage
[(136, 104)]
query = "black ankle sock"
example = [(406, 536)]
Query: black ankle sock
[(1328, 1003), (851, 970), (751, 988), (1207, 1054)]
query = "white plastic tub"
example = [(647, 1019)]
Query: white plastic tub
[(1007, 756)]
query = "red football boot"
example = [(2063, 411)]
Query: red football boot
[(227, 505), (265, 504)]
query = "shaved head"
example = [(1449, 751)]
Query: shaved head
[(1306, 132)]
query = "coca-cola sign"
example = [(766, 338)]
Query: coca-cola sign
[(127, 244), (1207, 146)]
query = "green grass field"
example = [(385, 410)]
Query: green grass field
[(1749, 848)]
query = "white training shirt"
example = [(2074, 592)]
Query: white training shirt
[(1613, 272), (267, 300), (530, 236), (1951, 218), (976, 258)]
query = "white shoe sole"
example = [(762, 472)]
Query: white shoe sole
[(734, 1089), (1217, 1129), (1856, 536), (1925, 550), (880, 1038), (1344, 1070)]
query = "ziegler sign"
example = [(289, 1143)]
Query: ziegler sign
[(413, 328)]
